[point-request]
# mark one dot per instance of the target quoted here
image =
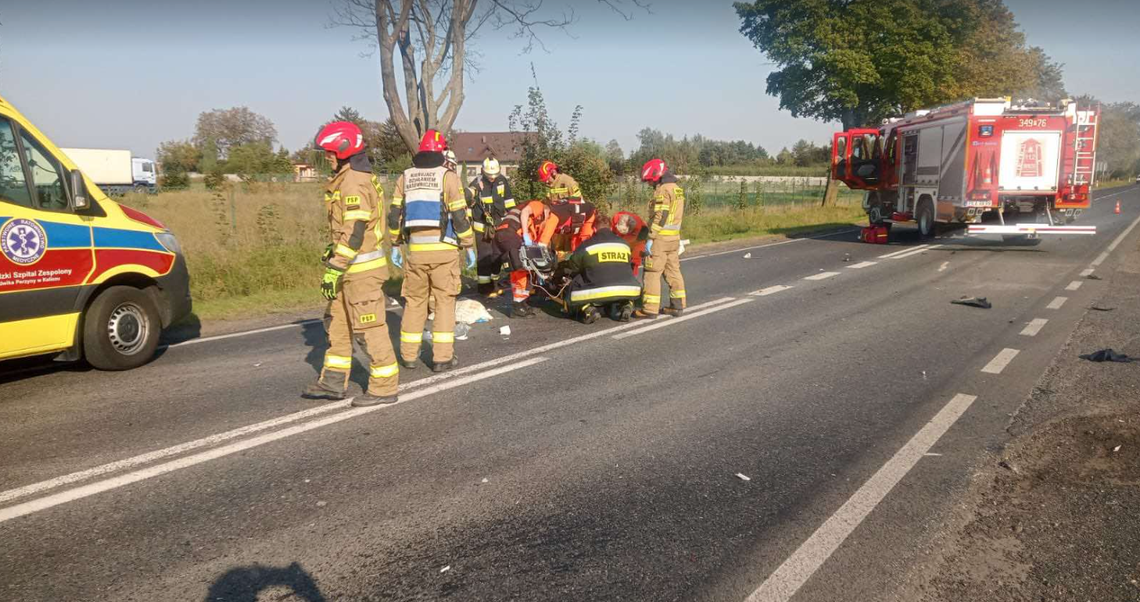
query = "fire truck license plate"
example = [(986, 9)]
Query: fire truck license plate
[(977, 203)]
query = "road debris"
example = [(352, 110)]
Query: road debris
[(486, 480), (973, 302), (1117, 448), (743, 477), (445, 569), (846, 257), (1107, 355), (461, 331), (322, 504), (748, 255), (470, 311), (505, 331), (1099, 308), (1094, 277)]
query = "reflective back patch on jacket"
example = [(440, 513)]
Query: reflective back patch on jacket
[(610, 252), (423, 198)]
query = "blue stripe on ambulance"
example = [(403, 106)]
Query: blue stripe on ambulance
[(61, 236), (114, 238)]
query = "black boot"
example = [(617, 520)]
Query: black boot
[(521, 310), (445, 366), (670, 310), (589, 314), (367, 400), (409, 364), (621, 312), (328, 386)]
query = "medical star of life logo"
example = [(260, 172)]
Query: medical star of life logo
[(23, 241)]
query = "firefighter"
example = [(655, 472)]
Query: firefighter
[(600, 278), (429, 214), (490, 199), (355, 271), (576, 223), (561, 186), (664, 244), (632, 229)]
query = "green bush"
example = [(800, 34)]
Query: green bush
[(215, 179), (177, 180)]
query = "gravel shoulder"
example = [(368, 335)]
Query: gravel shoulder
[(1054, 514)]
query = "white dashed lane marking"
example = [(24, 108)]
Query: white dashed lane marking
[(822, 276), (771, 290), (1074, 285), (1087, 273), (1000, 361), (1057, 303), (1034, 327), (861, 265)]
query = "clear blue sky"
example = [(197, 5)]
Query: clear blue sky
[(132, 73)]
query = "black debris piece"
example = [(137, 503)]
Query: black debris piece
[(1099, 308), (1094, 277), (1108, 355), (973, 302)]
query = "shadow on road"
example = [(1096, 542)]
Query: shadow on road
[(316, 340), (247, 583)]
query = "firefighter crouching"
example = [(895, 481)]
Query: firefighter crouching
[(664, 244), (355, 271), (600, 279), (490, 200), (429, 213)]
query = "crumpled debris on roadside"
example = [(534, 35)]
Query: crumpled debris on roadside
[(1099, 308), (1094, 277), (470, 311), (1107, 355), (973, 302)]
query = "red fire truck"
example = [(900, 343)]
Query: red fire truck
[(1030, 166)]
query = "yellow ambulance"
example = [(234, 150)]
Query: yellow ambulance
[(81, 276)]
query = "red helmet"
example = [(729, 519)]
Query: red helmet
[(433, 142), (546, 171), (653, 170), (341, 137)]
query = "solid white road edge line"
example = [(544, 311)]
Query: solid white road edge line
[(1074, 285), (1000, 361), (1057, 303), (821, 276), (181, 448), (36, 505), (245, 333), (1115, 243), (687, 316), (862, 264), (906, 250), (786, 580), (764, 246), (771, 290), (1034, 327)]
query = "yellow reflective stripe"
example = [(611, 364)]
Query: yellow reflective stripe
[(345, 251), (464, 234), (397, 201), (660, 206), (357, 214), (411, 337), (479, 226), (486, 279), (457, 205), (394, 231), (385, 371), (356, 268), (510, 204), (487, 200), (431, 246), (615, 247), (676, 294), (655, 227), (652, 299), (442, 337), (605, 292), (338, 362)]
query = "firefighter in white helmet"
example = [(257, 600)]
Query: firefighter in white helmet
[(490, 200)]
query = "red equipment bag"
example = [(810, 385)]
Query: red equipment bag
[(876, 235)]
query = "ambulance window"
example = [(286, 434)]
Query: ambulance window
[(47, 176), (13, 184)]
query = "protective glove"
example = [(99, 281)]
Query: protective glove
[(527, 240), (327, 255), (649, 247), (470, 258), (397, 258), (331, 283)]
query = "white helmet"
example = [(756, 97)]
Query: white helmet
[(491, 166), (449, 159)]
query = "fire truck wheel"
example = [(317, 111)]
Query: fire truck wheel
[(925, 218)]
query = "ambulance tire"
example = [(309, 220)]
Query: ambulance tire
[(121, 329), (927, 227)]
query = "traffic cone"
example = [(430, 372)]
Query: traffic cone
[(1117, 207)]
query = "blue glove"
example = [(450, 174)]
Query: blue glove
[(527, 240), (649, 247), (470, 258), (397, 258)]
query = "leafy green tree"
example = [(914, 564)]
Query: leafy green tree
[(178, 156), (858, 61), (258, 158), (615, 157), (232, 127), (1118, 136)]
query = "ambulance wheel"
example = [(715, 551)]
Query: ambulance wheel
[(120, 330), (925, 219)]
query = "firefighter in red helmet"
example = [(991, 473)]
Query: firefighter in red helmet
[(355, 271), (429, 214), (664, 244), (560, 186)]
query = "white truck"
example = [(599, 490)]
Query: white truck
[(116, 172)]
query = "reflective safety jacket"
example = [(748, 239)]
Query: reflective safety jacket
[(575, 218), (429, 211), (563, 187), (601, 271), (535, 218), (355, 201), (667, 209), (490, 201)]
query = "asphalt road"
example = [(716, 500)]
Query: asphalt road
[(801, 441)]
